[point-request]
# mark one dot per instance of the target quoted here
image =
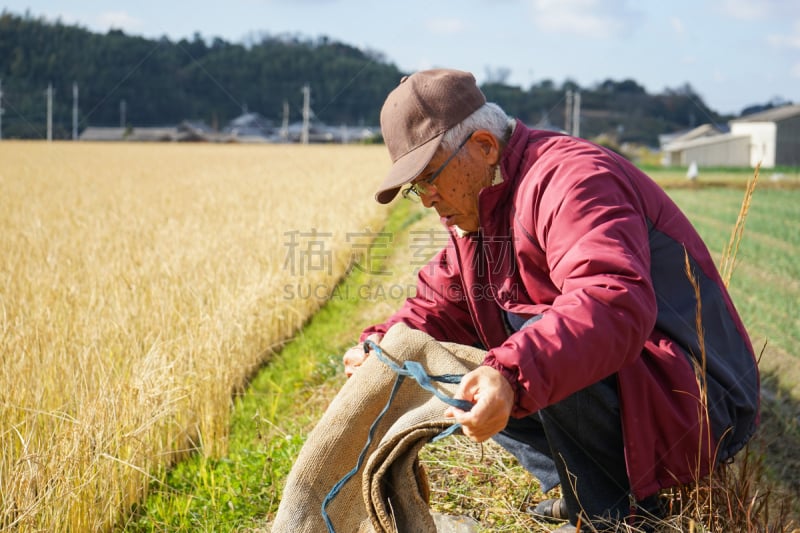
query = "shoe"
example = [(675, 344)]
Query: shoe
[(555, 509)]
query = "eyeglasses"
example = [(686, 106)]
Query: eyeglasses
[(425, 186)]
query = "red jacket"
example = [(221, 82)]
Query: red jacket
[(578, 234)]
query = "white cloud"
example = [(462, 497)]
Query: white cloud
[(677, 25), (795, 71), (744, 9), (423, 63), (445, 26), (749, 10), (786, 41), (119, 20), (586, 18)]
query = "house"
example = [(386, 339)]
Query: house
[(186, 131), (771, 138), (156, 134), (250, 127), (98, 134), (774, 136), (706, 130), (697, 145), (198, 131)]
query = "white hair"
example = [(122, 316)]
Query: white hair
[(489, 116)]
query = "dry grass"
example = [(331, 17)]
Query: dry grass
[(139, 287)]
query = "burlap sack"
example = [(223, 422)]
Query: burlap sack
[(386, 494)]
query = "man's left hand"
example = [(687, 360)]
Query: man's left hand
[(493, 399)]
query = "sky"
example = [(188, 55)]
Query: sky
[(733, 53)]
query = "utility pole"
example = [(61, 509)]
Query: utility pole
[(576, 115), (285, 123), (75, 111), (1, 109), (123, 108), (306, 113), (568, 112), (49, 112)]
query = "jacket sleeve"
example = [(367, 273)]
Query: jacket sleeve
[(439, 307), (594, 234)]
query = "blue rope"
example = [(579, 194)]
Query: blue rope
[(417, 372)]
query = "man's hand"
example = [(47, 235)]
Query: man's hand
[(355, 356), (493, 399)]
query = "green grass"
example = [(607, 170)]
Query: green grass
[(241, 491), (766, 282)]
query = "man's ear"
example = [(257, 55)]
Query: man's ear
[(488, 145)]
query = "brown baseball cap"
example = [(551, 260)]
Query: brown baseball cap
[(415, 117)]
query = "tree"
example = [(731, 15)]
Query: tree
[(497, 75), (166, 82)]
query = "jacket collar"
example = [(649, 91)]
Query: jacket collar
[(494, 199)]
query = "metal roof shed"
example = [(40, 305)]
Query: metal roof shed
[(774, 136), (725, 149)]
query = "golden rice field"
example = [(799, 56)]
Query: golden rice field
[(140, 285)]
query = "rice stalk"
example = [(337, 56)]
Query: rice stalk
[(728, 261), (140, 288)]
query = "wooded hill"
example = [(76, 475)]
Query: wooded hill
[(164, 83)]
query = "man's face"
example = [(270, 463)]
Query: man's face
[(454, 193)]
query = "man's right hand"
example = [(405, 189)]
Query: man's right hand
[(355, 356)]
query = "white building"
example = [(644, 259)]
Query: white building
[(771, 137)]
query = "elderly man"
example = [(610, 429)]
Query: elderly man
[(611, 368)]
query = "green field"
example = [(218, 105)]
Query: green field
[(766, 282), (242, 490)]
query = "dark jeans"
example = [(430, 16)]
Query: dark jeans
[(576, 442)]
